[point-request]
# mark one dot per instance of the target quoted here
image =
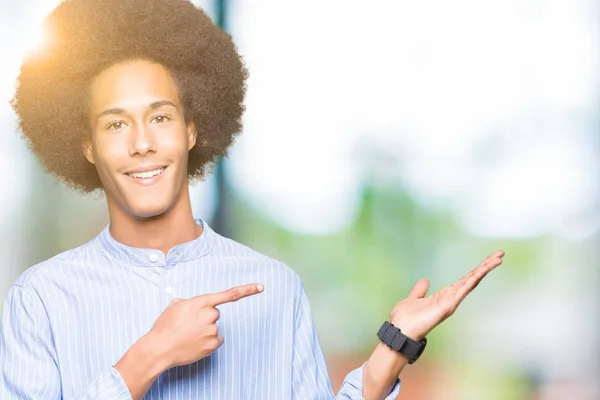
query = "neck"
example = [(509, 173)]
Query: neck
[(163, 232)]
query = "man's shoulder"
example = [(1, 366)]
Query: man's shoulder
[(53, 266), (230, 249)]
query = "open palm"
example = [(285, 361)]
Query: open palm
[(418, 314)]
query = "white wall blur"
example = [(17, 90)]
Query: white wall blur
[(440, 86), (489, 108)]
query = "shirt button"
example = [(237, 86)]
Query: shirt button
[(153, 258), (169, 290)]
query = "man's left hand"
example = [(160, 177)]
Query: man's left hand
[(418, 314)]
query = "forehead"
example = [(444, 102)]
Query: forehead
[(132, 84)]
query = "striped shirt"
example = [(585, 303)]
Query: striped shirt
[(69, 319)]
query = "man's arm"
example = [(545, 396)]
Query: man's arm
[(28, 361), (378, 378), (310, 379), (416, 316), (185, 332), (28, 367)]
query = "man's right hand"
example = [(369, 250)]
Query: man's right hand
[(187, 330), (184, 333)]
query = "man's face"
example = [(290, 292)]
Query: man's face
[(140, 141)]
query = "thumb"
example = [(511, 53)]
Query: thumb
[(419, 290), (174, 301)]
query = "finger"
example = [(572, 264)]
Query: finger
[(213, 314), (174, 301), (479, 272), (419, 290), (230, 295), (473, 279), (496, 254), (490, 263)]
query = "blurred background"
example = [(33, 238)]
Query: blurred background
[(387, 141)]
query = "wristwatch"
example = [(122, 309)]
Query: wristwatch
[(395, 339)]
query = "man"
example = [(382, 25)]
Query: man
[(135, 98)]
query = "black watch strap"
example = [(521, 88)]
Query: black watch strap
[(394, 338)]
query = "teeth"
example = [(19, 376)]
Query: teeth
[(146, 174)]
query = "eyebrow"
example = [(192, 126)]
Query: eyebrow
[(121, 111)]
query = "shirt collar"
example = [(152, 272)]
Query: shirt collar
[(156, 258)]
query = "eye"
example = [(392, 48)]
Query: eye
[(115, 126), (161, 118)]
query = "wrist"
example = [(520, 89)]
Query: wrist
[(382, 371), (394, 338), (151, 350), (398, 358), (141, 365), (408, 329)]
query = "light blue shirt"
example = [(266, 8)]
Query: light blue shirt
[(68, 320)]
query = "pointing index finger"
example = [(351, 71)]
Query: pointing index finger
[(231, 295)]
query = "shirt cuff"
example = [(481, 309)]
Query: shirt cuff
[(108, 386), (352, 387)]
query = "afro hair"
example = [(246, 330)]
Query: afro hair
[(88, 36)]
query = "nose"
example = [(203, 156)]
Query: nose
[(142, 141)]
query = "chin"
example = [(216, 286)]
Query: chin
[(149, 212)]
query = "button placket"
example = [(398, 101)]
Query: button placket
[(167, 287)]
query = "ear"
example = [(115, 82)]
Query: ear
[(192, 134), (87, 150)]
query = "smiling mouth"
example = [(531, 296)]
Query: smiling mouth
[(146, 174)]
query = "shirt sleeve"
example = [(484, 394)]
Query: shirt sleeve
[(28, 362), (352, 387), (310, 378), (107, 386)]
